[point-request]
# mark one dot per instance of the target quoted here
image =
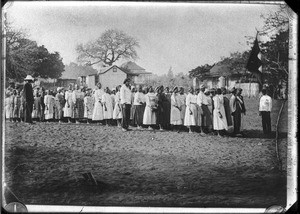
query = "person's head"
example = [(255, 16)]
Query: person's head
[(202, 88), (239, 91), (76, 87), (219, 91), (191, 90), (212, 92), (206, 92), (99, 85), (197, 90), (133, 90), (181, 90), (151, 90), (175, 90), (145, 90), (224, 91), (29, 79), (167, 89), (18, 92), (127, 82), (47, 92), (15, 92), (70, 87), (233, 91), (157, 89), (140, 89), (264, 91)]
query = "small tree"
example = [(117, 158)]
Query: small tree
[(111, 46)]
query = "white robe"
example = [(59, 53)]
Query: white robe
[(149, 115), (175, 118), (190, 118), (68, 109), (108, 102), (98, 108), (117, 113), (49, 105), (219, 116)]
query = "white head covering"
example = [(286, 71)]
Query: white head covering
[(29, 77)]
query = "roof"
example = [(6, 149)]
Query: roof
[(220, 70), (105, 69), (133, 68), (73, 71)]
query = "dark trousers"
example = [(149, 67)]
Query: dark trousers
[(266, 121), (237, 122), (28, 112), (126, 115)]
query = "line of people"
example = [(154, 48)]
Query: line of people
[(200, 110)]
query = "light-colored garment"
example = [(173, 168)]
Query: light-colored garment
[(191, 113), (202, 99), (149, 117), (125, 94), (219, 116), (49, 106), (175, 118), (107, 102), (88, 107), (7, 107), (98, 108), (181, 100), (232, 103), (117, 114), (138, 97), (68, 109), (265, 103)]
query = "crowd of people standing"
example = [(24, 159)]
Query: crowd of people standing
[(199, 110)]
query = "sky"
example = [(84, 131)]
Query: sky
[(178, 35)]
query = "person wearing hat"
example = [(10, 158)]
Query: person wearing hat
[(190, 119), (236, 106), (206, 118), (167, 107), (175, 118), (126, 98), (28, 98)]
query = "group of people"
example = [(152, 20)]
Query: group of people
[(200, 110)]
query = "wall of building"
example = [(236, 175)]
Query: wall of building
[(112, 79)]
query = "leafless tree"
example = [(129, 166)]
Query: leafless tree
[(111, 46)]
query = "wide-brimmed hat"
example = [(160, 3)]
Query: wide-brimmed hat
[(175, 88), (206, 91), (29, 77)]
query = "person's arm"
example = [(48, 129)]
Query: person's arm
[(271, 102)]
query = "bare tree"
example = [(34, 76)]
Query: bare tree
[(111, 46)]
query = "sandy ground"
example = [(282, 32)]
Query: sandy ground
[(44, 165)]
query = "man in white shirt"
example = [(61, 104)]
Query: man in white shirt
[(206, 116), (265, 107), (125, 95)]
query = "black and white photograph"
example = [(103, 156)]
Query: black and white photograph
[(149, 106)]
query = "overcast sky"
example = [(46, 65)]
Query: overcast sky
[(180, 35)]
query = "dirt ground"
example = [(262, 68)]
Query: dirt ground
[(44, 163)]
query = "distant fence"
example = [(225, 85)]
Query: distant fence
[(249, 89)]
